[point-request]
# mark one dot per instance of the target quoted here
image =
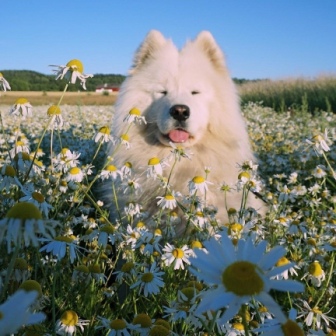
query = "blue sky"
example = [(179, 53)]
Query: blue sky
[(261, 38)]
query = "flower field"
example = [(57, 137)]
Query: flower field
[(66, 269)]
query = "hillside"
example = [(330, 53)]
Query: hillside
[(27, 80)]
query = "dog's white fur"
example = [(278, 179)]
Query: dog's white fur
[(196, 76)]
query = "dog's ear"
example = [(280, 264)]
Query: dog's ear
[(153, 42), (208, 45)]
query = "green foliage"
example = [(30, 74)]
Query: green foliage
[(310, 95), (26, 80)]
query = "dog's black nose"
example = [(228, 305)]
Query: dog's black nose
[(180, 112)]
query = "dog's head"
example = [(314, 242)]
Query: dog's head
[(175, 89)]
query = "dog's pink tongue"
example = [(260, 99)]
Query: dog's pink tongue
[(178, 135)]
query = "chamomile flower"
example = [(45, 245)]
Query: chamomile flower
[(320, 142), (125, 140), (15, 312), (239, 273), (155, 167), (198, 183), (134, 116), (37, 199), (116, 327), (142, 324), (105, 234), (150, 281), (69, 322), (167, 202), (103, 135), (23, 225), (71, 71), (21, 107), (59, 246), (315, 274), (110, 172), (315, 315), (319, 172), (8, 177), (54, 112), (66, 160), (176, 256), (75, 174), (127, 272), (285, 274), (3, 83)]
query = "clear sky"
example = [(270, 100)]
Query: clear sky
[(261, 38)]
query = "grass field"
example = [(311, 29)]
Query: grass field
[(46, 98)]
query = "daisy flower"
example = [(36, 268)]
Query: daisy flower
[(142, 324), (66, 159), (69, 322), (127, 272), (105, 234), (37, 199), (71, 71), (110, 171), (125, 140), (285, 274), (167, 202), (75, 174), (176, 256), (3, 83), (154, 168), (117, 327), (21, 107), (149, 281), (59, 245), (240, 274), (23, 225), (315, 274), (315, 315), (198, 183), (54, 112), (8, 177), (319, 172), (103, 135), (15, 312), (134, 116), (320, 142)]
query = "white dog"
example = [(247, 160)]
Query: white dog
[(188, 99)]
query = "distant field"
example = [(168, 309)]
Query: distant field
[(46, 98)]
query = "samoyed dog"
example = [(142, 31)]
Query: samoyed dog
[(190, 104)]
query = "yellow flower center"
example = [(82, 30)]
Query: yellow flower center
[(23, 211), (198, 179), (178, 253), (315, 269), (147, 277), (291, 328), (21, 101), (242, 278), (140, 225), (118, 324), (235, 227), (159, 330), (53, 109), (127, 267), (95, 268), (111, 168), (19, 143), (69, 318), (158, 232), (163, 323), (125, 137), (135, 111), (82, 269), (143, 319), (21, 264), (38, 197), (75, 65), (263, 309), (317, 311), (128, 164), (189, 292), (64, 151), (153, 161), (311, 241), (31, 285), (169, 197), (238, 326), (74, 171), (282, 261), (65, 239), (108, 228), (10, 171), (104, 130), (196, 244), (232, 211), (244, 175)]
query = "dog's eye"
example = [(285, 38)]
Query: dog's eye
[(164, 92), (195, 92)]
